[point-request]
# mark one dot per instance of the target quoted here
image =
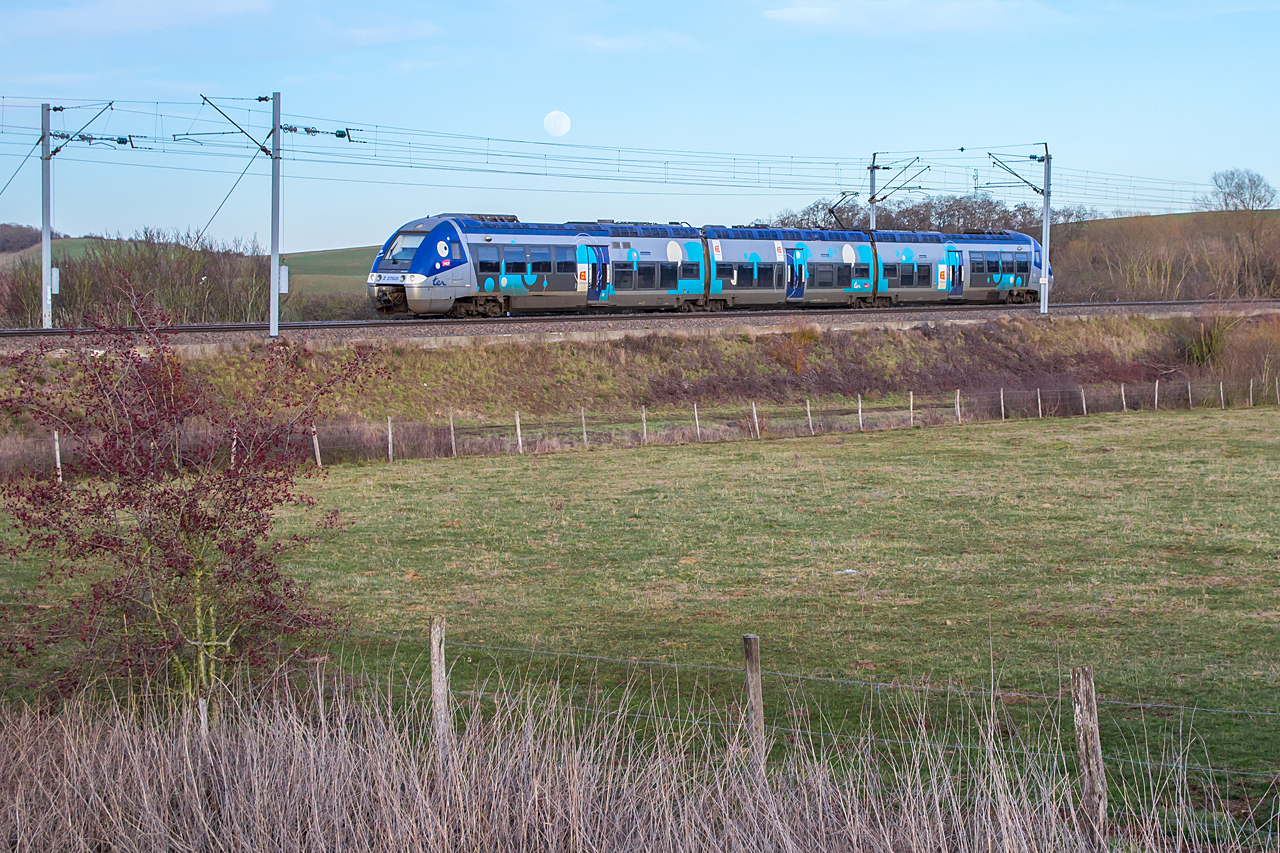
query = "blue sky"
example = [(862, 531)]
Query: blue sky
[(1171, 90)]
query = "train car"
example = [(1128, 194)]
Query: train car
[(464, 265)]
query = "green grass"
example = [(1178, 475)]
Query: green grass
[(1147, 545), (73, 247), (332, 272)]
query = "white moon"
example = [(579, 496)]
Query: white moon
[(556, 123)]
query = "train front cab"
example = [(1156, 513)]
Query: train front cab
[(422, 269)]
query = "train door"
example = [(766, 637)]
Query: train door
[(597, 260), (795, 275), (955, 273)]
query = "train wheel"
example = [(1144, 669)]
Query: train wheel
[(686, 307)]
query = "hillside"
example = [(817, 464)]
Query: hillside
[(332, 272), (73, 247)]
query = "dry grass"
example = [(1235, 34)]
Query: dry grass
[(525, 772)]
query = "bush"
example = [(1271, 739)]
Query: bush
[(192, 280), (157, 532)]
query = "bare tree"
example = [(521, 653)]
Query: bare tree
[(1239, 189), (1245, 196)]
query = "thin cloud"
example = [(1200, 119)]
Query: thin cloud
[(892, 17), (120, 17), (651, 42), (398, 34)]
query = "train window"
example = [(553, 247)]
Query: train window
[(1023, 263), (907, 275), (668, 276), (404, 248), (515, 260), (765, 276), (975, 261), (924, 275), (455, 251), (646, 277), (487, 260), (1006, 262), (746, 275), (690, 272), (889, 271), (861, 271), (624, 276), (824, 273), (724, 272), (844, 275), (540, 260), (566, 260), (993, 263)]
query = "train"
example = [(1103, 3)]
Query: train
[(488, 265)]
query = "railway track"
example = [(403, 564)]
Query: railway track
[(614, 317)]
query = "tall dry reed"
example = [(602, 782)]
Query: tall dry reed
[(527, 772)]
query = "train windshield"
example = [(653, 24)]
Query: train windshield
[(403, 249)]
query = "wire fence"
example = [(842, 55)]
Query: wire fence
[(363, 441), (1053, 708)]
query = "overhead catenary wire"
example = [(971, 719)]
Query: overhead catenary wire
[(20, 165), (409, 148)]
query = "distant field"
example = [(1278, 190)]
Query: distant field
[(67, 247), (1147, 545), (331, 272)]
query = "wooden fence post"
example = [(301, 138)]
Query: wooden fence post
[(697, 425), (1157, 403), (859, 413), (519, 437), (1190, 400), (390, 447), (755, 701), (1093, 781), (453, 442), (911, 410), (958, 421), (1002, 417), (441, 721), (1124, 404), (1084, 404), (808, 411), (644, 426), (582, 410), (57, 454), (754, 419), (315, 445), (1278, 390), (1039, 404), (1251, 393), (1222, 395), (235, 440)]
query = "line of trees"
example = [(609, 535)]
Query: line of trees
[(1228, 248), (15, 237)]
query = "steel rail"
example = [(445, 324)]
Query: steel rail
[(811, 312)]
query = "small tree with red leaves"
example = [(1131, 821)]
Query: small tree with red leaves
[(158, 538)]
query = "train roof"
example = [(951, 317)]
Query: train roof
[(472, 222)]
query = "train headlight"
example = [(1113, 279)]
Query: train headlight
[(414, 278)]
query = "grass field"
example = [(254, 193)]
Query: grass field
[(333, 272), (65, 247), (1147, 545)]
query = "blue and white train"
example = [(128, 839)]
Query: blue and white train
[(464, 265)]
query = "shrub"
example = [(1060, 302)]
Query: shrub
[(157, 533)]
